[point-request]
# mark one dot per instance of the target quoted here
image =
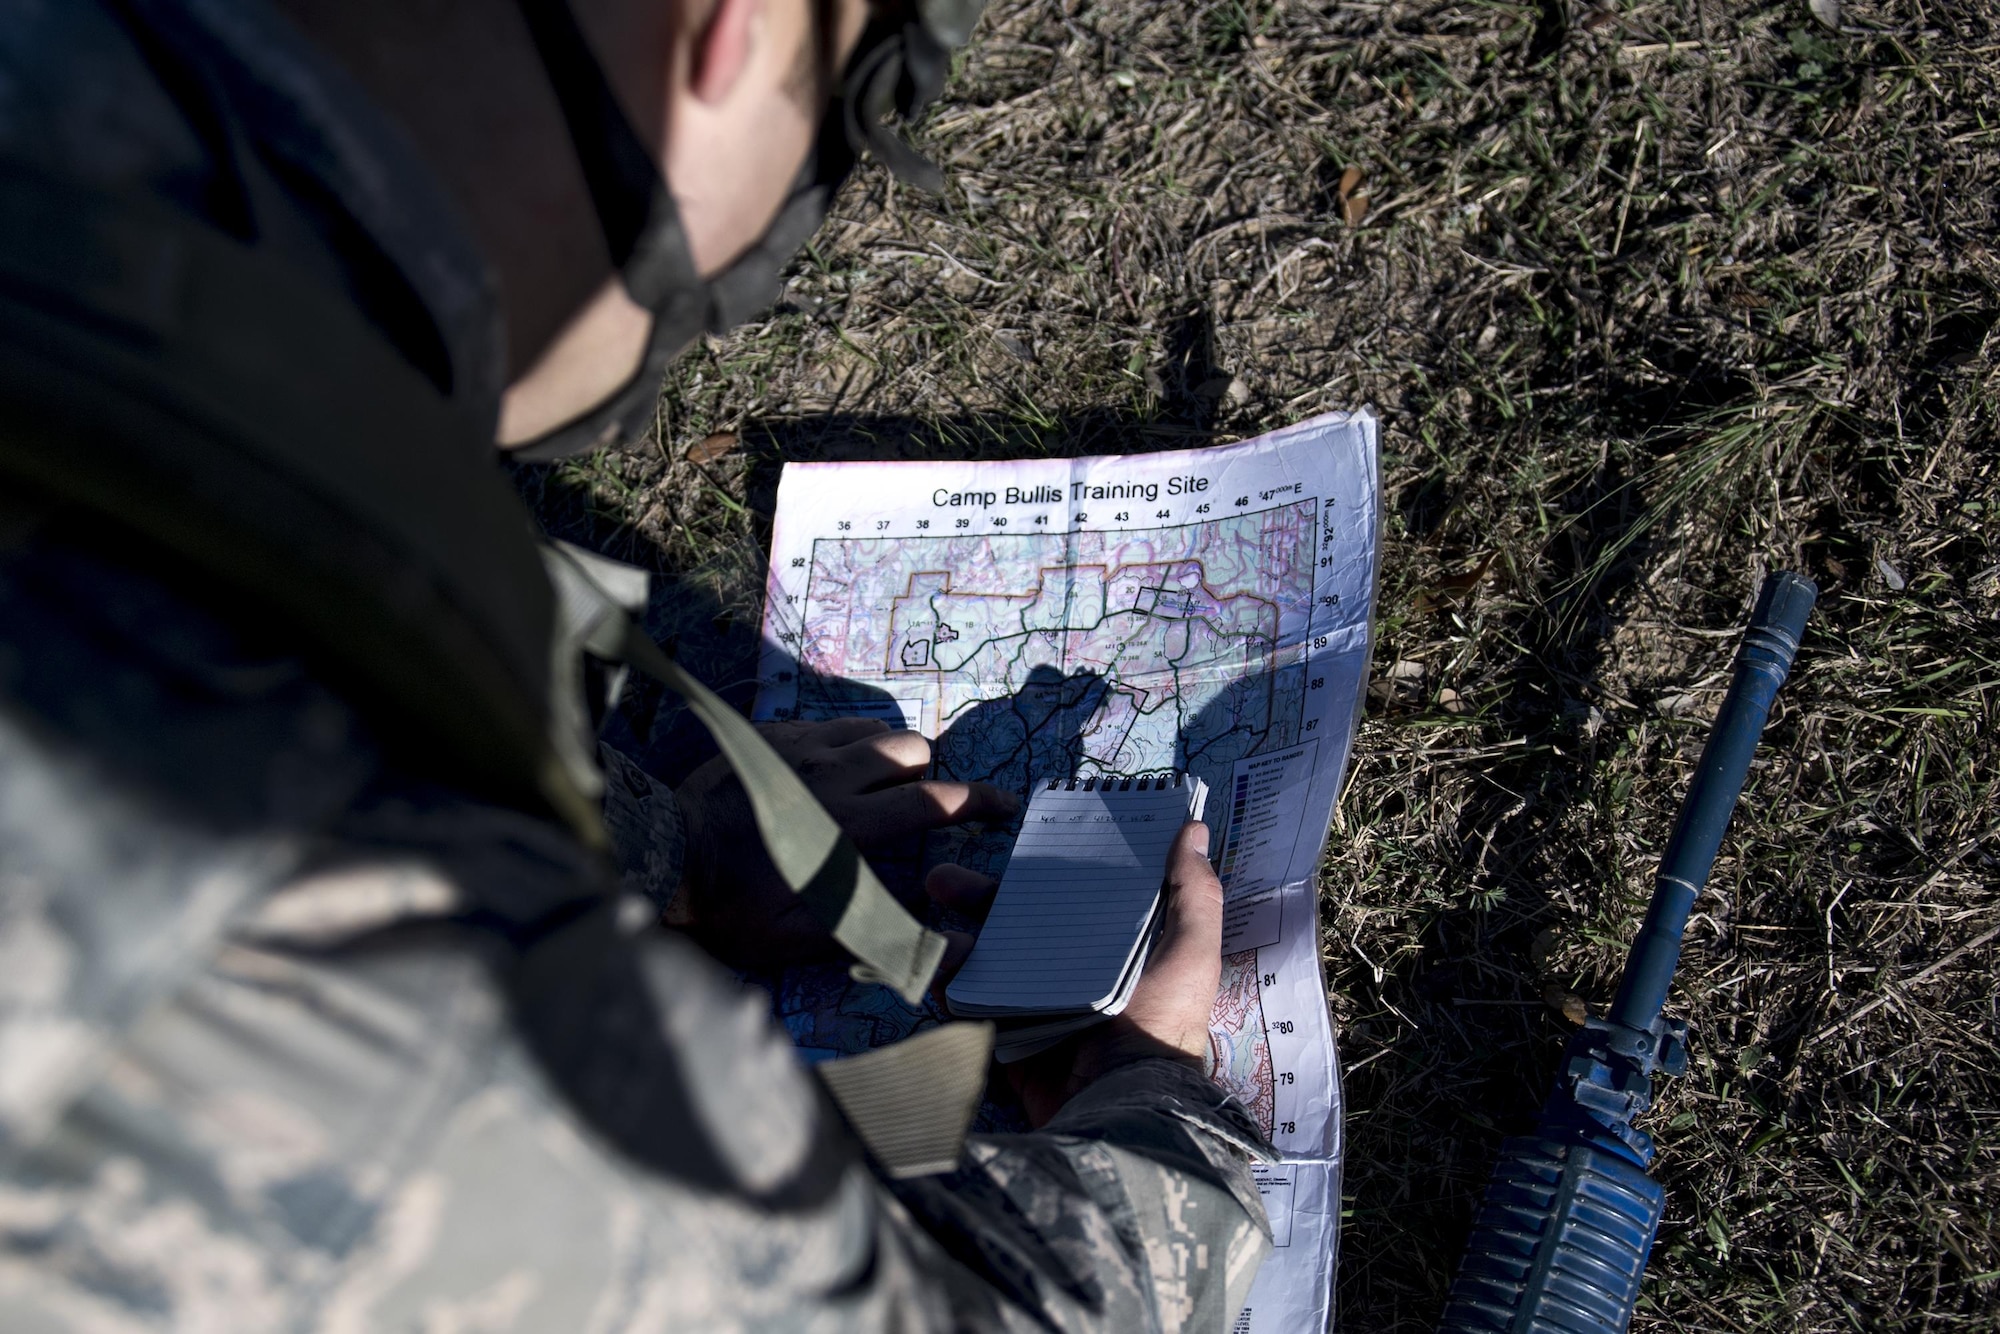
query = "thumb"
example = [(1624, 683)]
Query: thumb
[(1192, 934), (1175, 994)]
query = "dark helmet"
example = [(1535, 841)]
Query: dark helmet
[(240, 323)]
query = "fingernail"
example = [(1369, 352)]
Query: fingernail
[(1200, 838)]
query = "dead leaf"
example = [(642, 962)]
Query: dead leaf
[(1672, 706), (1452, 589), (1566, 1003), (1543, 947), (1827, 12), (710, 448), (1401, 684), (1600, 20), (1353, 202), (1470, 579)]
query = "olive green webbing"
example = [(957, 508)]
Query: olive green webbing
[(911, 1101), (815, 858)]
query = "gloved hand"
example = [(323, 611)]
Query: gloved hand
[(871, 780)]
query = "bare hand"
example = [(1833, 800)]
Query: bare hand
[(870, 779), (1168, 1013)]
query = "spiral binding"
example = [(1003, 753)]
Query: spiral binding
[(1153, 782)]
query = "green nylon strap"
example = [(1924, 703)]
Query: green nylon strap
[(911, 1102), (816, 859)]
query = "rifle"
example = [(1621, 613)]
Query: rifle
[(1562, 1238)]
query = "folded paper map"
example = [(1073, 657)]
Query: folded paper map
[(1204, 611)]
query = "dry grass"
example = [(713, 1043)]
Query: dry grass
[(1651, 299)]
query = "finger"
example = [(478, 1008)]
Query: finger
[(959, 887), (915, 808), (1174, 996), (1191, 937), (786, 736), (882, 758), (957, 946), (840, 731)]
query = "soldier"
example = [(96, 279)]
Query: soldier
[(322, 1005)]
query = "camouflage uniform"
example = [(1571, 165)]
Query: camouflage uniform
[(290, 1038)]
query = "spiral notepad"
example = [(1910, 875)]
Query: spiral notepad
[(1077, 909)]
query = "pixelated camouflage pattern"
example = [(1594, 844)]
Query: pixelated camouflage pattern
[(648, 836), (291, 1041)]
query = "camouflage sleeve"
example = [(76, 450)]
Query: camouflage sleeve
[(1133, 1209), (648, 835), (360, 1110), (1139, 1194)]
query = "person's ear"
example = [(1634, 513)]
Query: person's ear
[(724, 48)]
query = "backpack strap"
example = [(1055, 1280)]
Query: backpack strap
[(818, 861), (910, 1103)]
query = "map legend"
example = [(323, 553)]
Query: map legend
[(1239, 801), (1267, 816)]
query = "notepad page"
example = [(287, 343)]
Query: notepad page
[(1075, 898), (1021, 1036)]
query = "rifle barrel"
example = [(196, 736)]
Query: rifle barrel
[(1762, 664)]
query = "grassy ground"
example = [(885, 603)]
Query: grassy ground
[(1651, 298)]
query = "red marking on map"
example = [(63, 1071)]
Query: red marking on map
[(1238, 1041)]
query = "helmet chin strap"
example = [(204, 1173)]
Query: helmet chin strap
[(640, 222), (897, 71), (635, 209)]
